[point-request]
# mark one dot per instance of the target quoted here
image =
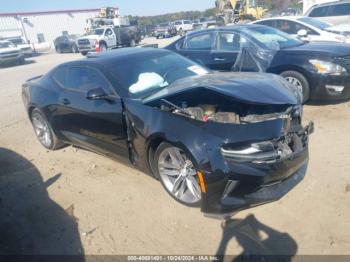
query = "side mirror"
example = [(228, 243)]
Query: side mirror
[(302, 33), (96, 94)]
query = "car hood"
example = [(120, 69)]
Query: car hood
[(254, 88), (93, 37), (322, 48)]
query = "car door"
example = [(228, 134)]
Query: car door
[(226, 50), (110, 38), (94, 124), (199, 48)]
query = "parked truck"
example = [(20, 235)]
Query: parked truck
[(109, 37)]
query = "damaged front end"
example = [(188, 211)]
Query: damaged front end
[(250, 150)]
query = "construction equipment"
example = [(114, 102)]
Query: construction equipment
[(234, 11)]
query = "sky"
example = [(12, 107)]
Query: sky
[(126, 7)]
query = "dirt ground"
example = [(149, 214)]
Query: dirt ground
[(73, 201)]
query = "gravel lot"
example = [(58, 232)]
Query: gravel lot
[(73, 201)]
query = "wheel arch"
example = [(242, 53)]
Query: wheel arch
[(155, 141), (280, 69)]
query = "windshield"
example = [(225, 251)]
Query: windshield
[(153, 72), (314, 22), (270, 37), (97, 32), (6, 45), (17, 41)]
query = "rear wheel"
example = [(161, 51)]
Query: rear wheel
[(177, 174), (58, 50), (132, 43), (44, 132), (84, 53), (299, 81)]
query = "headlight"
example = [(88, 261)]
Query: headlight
[(324, 67), (256, 152)]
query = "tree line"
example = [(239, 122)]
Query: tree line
[(276, 5)]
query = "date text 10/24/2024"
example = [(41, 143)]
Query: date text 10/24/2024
[(172, 258)]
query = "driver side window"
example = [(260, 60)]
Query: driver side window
[(200, 42), (82, 79), (229, 42)]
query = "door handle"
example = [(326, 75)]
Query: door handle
[(219, 59), (65, 101)]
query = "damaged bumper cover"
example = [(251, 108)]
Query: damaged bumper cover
[(259, 174)]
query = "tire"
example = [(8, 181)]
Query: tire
[(300, 81), (132, 43), (182, 174), (21, 61), (74, 49), (58, 50), (44, 132), (103, 48), (84, 53)]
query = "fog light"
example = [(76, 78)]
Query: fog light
[(335, 89)]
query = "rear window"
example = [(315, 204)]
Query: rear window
[(319, 11), (339, 10)]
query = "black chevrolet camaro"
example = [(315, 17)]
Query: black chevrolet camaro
[(321, 70), (222, 141)]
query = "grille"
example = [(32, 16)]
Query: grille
[(9, 53), (83, 42)]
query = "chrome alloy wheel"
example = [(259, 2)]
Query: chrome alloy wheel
[(179, 175), (42, 130), (294, 81)]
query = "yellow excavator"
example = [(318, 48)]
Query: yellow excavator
[(235, 11)]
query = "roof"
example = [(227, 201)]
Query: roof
[(51, 12), (331, 3), (117, 54)]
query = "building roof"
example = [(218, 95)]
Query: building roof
[(51, 12)]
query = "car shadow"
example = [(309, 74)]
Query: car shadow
[(28, 61), (326, 103), (258, 241), (30, 222)]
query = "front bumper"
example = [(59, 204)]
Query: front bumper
[(242, 185), (10, 58), (330, 87)]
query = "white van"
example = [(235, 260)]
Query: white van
[(333, 12)]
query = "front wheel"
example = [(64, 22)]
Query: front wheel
[(75, 49), (44, 132), (103, 48), (178, 174), (299, 81), (84, 53)]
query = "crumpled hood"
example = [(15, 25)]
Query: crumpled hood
[(253, 88)]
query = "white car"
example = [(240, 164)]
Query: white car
[(335, 12), (20, 42), (9, 53), (307, 28), (183, 26)]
